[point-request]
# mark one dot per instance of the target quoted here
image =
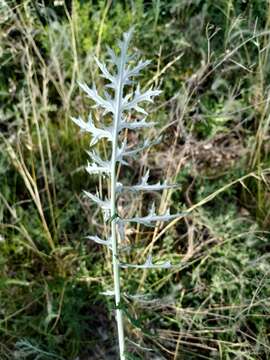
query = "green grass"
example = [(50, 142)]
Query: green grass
[(212, 61)]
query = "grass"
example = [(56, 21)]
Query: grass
[(212, 61)]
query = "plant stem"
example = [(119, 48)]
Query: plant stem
[(116, 267)]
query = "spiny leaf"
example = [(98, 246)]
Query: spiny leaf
[(107, 293), (95, 169), (106, 74), (135, 124), (144, 186), (113, 58), (135, 71), (124, 151), (123, 44), (152, 218), (97, 133), (103, 164), (149, 265), (107, 105), (104, 205), (128, 105), (98, 240)]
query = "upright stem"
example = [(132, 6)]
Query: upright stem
[(116, 265)]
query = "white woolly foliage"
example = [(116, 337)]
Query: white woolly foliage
[(144, 186), (97, 133), (103, 204), (131, 101), (98, 166), (98, 240), (118, 102), (149, 265), (152, 217)]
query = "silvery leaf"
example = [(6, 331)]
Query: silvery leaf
[(121, 230), (113, 58), (119, 187), (108, 104), (123, 44), (124, 151), (107, 293), (138, 98), (105, 164), (135, 125), (152, 217), (95, 169), (149, 265), (106, 74), (104, 205), (144, 186), (97, 133), (135, 71), (98, 240), (119, 153)]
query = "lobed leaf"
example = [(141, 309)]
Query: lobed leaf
[(128, 105), (108, 293), (93, 169), (144, 186), (98, 240), (97, 133), (104, 205), (152, 218), (135, 124), (106, 74), (148, 265), (107, 104), (104, 165), (135, 71), (124, 151)]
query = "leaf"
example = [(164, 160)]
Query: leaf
[(135, 125), (123, 58), (152, 217), (144, 186), (98, 240), (130, 356), (138, 98), (104, 165), (123, 45), (149, 265), (120, 151), (106, 74), (95, 169), (124, 151), (113, 58), (108, 104), (135, 71), (96, 132), (107, 293), (104, 205)]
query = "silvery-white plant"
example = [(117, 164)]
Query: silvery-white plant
[(118, 102)]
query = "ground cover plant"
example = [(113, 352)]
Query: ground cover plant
[(211, 59)]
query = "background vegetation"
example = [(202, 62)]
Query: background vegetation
[(211, 58)]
